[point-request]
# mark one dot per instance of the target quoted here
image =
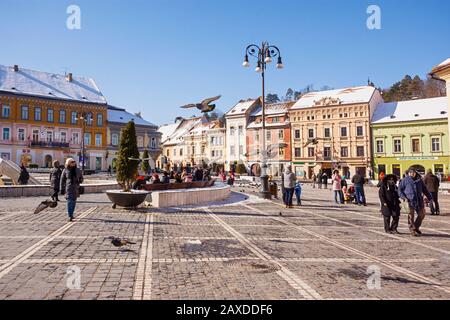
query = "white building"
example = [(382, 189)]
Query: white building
[(237, 120)]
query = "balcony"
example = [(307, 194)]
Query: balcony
[(49, 144)]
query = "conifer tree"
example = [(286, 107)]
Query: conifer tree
[(126, 168)]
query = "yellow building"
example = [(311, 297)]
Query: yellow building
[(331, 130), (442, 72), (45, 116)]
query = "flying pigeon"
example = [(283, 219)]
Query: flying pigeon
[(117, 242), (44, 205), (203, 106)]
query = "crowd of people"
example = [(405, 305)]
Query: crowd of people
[(410, 195)]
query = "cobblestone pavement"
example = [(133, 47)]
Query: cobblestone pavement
[(244, 248)]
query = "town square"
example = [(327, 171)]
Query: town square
[(132, 169)]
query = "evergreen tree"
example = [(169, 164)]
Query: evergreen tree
[(272, 98), (145, 164), (289, 95), (127, 169)]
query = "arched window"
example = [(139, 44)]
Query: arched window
[(115, 139), (89, 119), (100, 120)]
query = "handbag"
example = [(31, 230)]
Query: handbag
[(81, 190), (404, 207)]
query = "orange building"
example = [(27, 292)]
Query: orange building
[(45, 116), (278, 139)]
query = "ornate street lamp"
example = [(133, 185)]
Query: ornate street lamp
[(84, 118), (264, 55)]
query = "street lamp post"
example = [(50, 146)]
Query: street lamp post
[(83, 119), (264, 55)]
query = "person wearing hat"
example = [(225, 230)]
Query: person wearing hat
[(412, 189), (390, 203)]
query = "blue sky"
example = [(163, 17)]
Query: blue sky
[(155, 55)]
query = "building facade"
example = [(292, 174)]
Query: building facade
[(177, 149), (411, 134), (147, 135), (215, 146), (442, 72), (237, 120), (278, 139), (331, 130), (44, 117)]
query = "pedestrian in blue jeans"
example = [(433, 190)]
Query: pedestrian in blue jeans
[(358, 182), (298, 192), (289, 180), (71, 179)]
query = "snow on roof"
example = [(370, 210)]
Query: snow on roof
[(119, 115), (241, 107), (182, 130), (446, 62), (49, 85), (167, 130), (256, 125), (412, 110), (274, 109), (443, 65), (335, 97)]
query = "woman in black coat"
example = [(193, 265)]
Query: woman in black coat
[(390, 203), (55, 180)]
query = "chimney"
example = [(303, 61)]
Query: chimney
[(69, 77), (16, 68)]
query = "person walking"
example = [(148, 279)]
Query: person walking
[(298, 192), (358, 182), (432, 183), (109, 171), (24, 176), (55, 179), (337, 187), (71, 179), (289, 180), (412, 190), (319, 180), (314, 178), (325, 180), (390, 203)]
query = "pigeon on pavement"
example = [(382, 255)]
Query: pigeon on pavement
[(44, 205)]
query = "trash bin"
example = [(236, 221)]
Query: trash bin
[(273, 188)]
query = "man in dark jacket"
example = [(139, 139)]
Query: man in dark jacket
[(412, 189), (358, 182), (325, 180), (55, 179), (24, 175), (432, 183), (390, 203), (198, 174)]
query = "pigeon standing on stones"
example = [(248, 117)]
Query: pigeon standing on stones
[(117, 242)]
